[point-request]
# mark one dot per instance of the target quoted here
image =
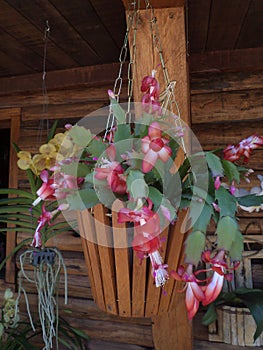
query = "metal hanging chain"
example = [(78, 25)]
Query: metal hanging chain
[(167, 97), (44, 87), (132, 24)]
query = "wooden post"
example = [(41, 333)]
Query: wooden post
[(171, 330)]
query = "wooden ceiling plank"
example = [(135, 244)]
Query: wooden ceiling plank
[(225, 23), (110, 15), (11, 66), (98, 75), (29, 36), (157, 3), (61, 32), (227, 60), (87, 22), (19, 53), (198, 19), (250, 33)]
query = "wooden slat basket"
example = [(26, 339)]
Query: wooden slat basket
[(121, 284)]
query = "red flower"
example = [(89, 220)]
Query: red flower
[(46, 191), (112, 171), (154, 147), (194, 293), (244, 148)]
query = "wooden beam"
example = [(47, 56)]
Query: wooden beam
[(104, 74), (171, 26), (157, 3), (228, 60)]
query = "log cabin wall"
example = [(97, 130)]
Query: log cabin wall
[(225, 107)]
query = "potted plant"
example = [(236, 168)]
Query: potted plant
[(128, 192)]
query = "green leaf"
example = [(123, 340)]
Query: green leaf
[(226, 202), (231, 171), (194, 246), (17, 192), (210, 315), (136, 184), (76, 169), (204, 218), (82, 199), (250, 200), (237, 246), (52, 131), (155, 196), (226, 232), (80, 135), (96, 148), (214, 163), (118, 111), (123, 132)]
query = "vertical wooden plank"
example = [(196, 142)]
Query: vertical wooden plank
[(87, 231), (121, 253), (153, 293), (171, 25), (138, 286), (10, 276), (105, 244)]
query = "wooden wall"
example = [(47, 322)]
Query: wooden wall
[(225, 107)]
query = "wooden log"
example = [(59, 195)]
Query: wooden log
[(74, 110), (175, 48), (68, 96), (205, 83), (66, 241), (221, 107), (208, 135), (250, 59)]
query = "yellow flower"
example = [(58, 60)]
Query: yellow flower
[(25, 160), (46, 158)]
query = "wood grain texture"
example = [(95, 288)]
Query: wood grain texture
[(122, 261), (174, 45), (157, 3)]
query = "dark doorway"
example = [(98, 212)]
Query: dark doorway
[(4, 176)]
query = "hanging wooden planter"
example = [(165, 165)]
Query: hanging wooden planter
[(120, 284)]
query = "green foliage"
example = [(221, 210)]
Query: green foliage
[(194, 246), (214, 164), (226, 202)]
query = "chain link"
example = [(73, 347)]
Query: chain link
[(167, 97)]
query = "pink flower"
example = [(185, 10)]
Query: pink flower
[(112, 171), (244, 148), (214, 288), (150, 85), (46, 191), (145, 220), (231, 153), (150, 99), (217, 182), (194, 293), (232, 189), (220, 268), (154, 146), (44, 218), (37, 240), (159, 271)]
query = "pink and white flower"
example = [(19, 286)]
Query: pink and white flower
[(154, 146)]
